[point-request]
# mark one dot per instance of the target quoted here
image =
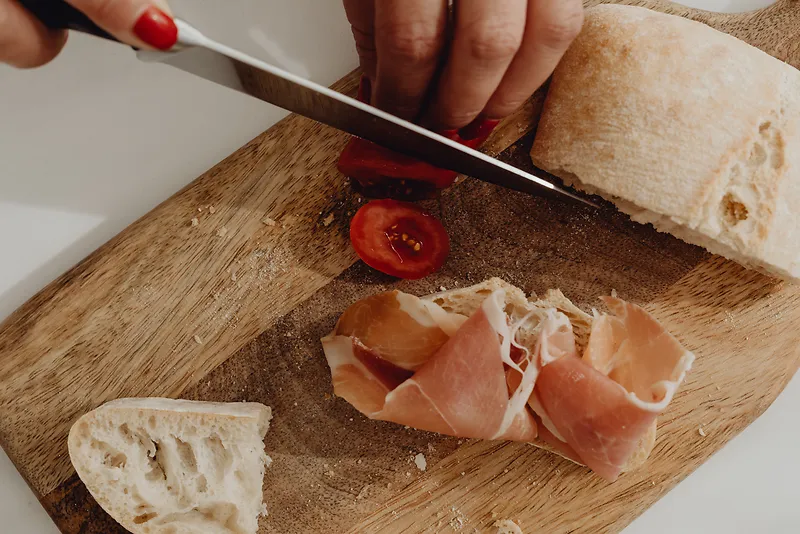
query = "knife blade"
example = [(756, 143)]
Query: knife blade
[(216, 62)]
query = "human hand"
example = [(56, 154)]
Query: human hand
[(499, 53), (25, 42)]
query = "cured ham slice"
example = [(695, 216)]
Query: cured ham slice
[(458, 388), (399, 328), (636, 352), (412, 361), (604, 405)]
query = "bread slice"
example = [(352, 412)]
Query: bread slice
[(467, 300), (164, 466), (683, 127)]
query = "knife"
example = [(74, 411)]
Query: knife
[(199, 55)]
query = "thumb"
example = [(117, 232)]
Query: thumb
[(142, 23), (24, 41)]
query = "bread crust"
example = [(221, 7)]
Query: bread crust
[(681, 126)]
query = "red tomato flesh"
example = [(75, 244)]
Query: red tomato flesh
[(378, 170), (399, 239)]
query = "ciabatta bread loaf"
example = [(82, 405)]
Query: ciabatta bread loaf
[(683, 127), (161, 466)]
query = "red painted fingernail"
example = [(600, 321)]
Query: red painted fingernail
[(156, 28)]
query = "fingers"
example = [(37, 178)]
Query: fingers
[(142, 23), (501, 52), (24, 41), (550, 29), (409, 38), (361, 15), (487, 36)]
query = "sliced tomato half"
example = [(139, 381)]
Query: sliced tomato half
[(383, 173), (399, 239)]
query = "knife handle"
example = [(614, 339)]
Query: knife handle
[(59, 15)]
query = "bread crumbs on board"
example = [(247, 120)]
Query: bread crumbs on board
[(362, 493), (198, 339), (195, 222), (421, 462), (457, 522), (701, 431), (506, 526), (222, 232), (269, 221)]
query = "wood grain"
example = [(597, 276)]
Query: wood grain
[(164, 308)]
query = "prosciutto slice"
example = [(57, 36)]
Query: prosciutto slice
[(399, 328), (399, 358), (603, 405), (458, 388)]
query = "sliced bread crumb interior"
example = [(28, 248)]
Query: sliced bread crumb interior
[(164, 466), (468, 299)]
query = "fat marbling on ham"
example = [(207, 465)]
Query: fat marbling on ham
[(396, 357)]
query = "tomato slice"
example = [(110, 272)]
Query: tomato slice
[(399, 239), (373, 164), (383, 173)]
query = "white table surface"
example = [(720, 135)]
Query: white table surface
[(96, 139)]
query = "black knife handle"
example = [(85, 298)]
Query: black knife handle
[(59, 15)]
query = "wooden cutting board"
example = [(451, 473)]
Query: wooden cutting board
[(232, 309)]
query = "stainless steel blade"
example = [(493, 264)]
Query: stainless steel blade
[(216, 62)]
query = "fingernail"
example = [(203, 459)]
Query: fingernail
[(156, 28)]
